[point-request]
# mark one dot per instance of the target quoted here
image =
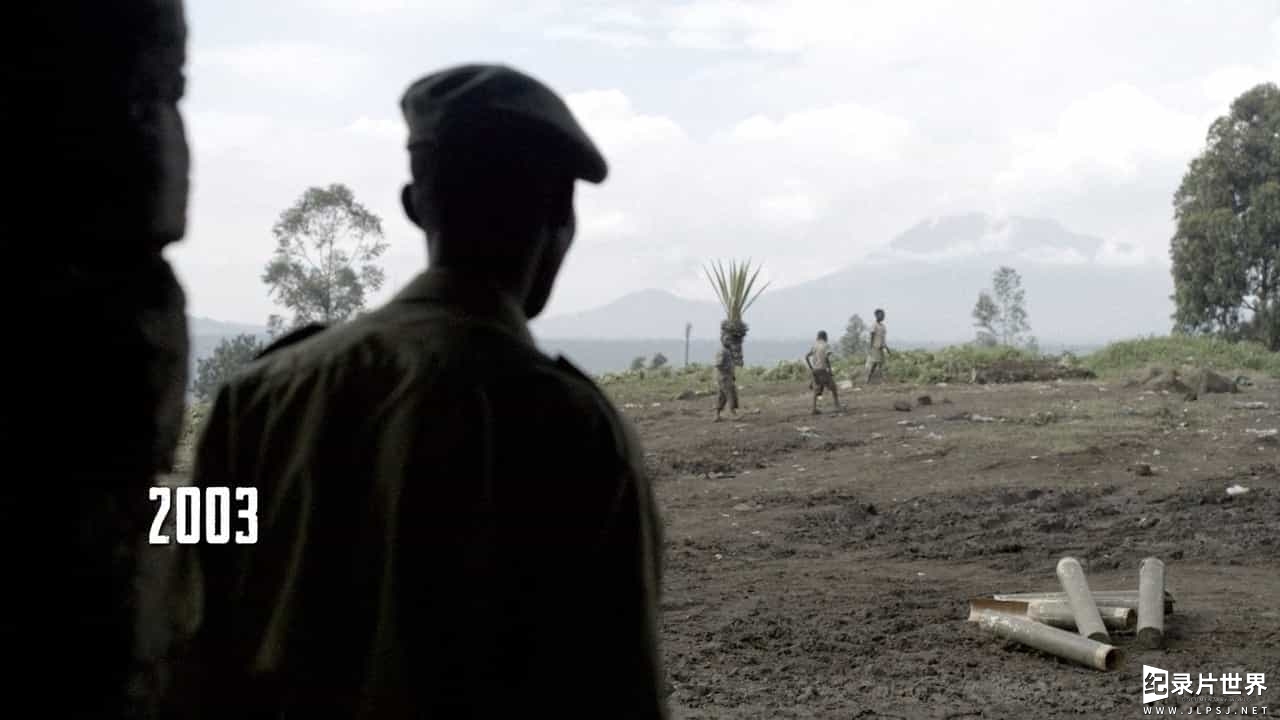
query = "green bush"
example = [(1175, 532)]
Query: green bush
[(950, 364), (228, 358), (1177, 350), (784, 371), (956, 364)]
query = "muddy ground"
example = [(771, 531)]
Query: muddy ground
[(820, 567)]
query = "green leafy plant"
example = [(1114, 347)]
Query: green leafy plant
[(733, 287), (227, 358)]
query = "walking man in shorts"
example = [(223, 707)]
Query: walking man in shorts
[(819, 362)]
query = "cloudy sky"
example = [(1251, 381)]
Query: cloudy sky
[(802, 133)]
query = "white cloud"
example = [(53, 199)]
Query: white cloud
[(315, 70), (605, 225), (1054, 256), (848, 128), (211, 132), (435, 8), (612, 38), (789, 209), (1110, 135), (1122, 253), (619, 28), (883, 30), (611, 122), (1222, 86), (383, 128)]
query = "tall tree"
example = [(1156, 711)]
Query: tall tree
[(227, 358), (1006, 285), (324, 264), (1225, 249), (733, 288), (855, 338), (985, 316)]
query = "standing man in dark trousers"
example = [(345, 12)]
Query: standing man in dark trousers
[(819, 361), (878, 351), (451, 524), (726, 380)]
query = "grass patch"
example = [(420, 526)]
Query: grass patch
[(1130, 356), (955, 364), (951, 364)]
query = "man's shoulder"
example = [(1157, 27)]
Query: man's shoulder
[(305, 350), (395, 340), (291, 338), (576, 394), (575, 383)]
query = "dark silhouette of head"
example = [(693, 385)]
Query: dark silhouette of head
[(822, 335), (99, 84), (879, 314), (494, 156)]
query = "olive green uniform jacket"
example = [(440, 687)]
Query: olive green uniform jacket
[(450, 524)]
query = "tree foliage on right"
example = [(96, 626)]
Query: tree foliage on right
[(1225, 250)]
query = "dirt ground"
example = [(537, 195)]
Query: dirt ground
[(820, 567)]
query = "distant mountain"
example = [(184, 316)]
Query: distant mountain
[(927, 280), (636, 316), (197, 326)]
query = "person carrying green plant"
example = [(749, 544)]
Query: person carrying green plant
[(725, 378)]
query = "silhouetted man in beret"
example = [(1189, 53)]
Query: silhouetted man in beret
[(451, 524)]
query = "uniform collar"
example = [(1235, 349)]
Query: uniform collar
[(474, 295)]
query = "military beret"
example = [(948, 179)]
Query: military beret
[(495, 103)]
